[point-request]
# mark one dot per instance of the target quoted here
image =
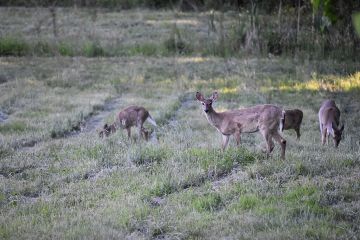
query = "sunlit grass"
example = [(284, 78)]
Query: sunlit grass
[(326, 83)]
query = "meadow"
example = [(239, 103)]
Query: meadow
[(59, 180)]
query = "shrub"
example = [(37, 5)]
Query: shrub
[(93, 49), (66, 50), (11, 46)]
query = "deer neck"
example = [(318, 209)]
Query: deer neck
[(214, 118)]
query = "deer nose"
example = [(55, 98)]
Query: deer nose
[(206, 110)]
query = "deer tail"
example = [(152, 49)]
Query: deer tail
[(151, 120), (282, 120)]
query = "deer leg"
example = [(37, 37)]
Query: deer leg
[(225, 141), (237, 138), (297, 133), (269, 142), (140, 127), (328, 139), (145, 133), (323, 136), (282, 143), (321, 126), (128, 129)]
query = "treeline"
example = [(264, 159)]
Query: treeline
[(318, 28), (340, 7)]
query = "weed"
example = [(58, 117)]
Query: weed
[(207, 202), (247, 202), (149, 154), (162, 188)]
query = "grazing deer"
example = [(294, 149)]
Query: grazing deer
[(264, 118), (107, 130), (292, 120), (135, 116), (329, 119)]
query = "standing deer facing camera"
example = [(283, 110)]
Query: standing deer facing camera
[(329, 118), (264, 118)]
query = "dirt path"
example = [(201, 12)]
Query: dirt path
[(96, 121)]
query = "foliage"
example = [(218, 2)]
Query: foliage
[(11, 46)]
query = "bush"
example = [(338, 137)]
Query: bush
[(93, 49), (10, 46), (66, 50)]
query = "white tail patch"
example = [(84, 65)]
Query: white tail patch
[(282, 121), (152, 121)]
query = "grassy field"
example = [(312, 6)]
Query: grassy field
[(59, 180)]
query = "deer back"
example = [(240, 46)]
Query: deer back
[(329, 113), (252, 119), (131, 115)]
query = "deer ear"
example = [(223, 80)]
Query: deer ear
[(199, 96), (215, 96)]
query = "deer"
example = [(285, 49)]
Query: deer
[(265, 118), (292, 120), (129, 117), (329, 119), (107, 130)]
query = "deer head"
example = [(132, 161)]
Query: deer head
[(207, 103), (337, 133)]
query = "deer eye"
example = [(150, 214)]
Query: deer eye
[(203, 103)]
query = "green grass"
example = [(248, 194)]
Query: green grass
[(58, 183), (12, 46)]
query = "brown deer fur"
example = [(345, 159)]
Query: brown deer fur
[(107, 130), (129, 117), (135, 116), (329, 119), (292, 120), (264, 118)]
